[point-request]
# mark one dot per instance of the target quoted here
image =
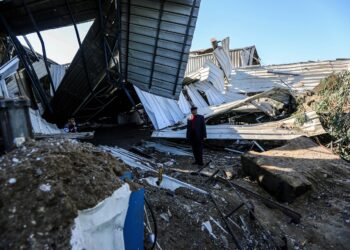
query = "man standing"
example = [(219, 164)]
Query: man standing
[(196, 134)]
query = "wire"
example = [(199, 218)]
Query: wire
[(154, 222)]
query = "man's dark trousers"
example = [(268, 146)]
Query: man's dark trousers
[(196, 132), (197, 149)]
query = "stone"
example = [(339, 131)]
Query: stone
[(289, 171)]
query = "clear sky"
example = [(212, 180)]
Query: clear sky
[(282, 30)]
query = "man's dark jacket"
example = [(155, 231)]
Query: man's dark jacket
[(198, 132)]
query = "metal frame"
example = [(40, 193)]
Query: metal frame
[(22, 54), (42, 44), (184, 46), (160, 16), (83, 57), (102, 96)]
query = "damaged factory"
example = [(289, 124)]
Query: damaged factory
[(98, 153)]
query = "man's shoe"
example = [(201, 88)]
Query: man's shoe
[(201, 164), (194, 163)]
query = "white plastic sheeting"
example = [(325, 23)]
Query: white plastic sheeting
[(101, 227), (7, 70), (162, 111)]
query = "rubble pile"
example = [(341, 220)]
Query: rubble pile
[(44, 184)]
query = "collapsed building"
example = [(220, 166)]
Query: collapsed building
[(135, 66)]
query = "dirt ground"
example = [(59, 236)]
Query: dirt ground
[(44, 184), (325, 210)]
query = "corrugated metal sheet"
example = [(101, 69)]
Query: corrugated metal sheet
[(214, 96), (57, 73), (238, 57), (183, 104), (40, 126), (224, 61), (7, 70), (302, 76), (210, 83), (47, 14), (156, 39), (12, 87), (79, 87), (195, 62), (279, 130), (39, 67), (212, 73), (163, 112), (196, 98), (217, 110)]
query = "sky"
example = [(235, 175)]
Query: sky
[(282, 31)]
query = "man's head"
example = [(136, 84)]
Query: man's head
[(194, 110)]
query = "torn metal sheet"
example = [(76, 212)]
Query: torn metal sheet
[(224, 61), (300, 77), (40, 126), (57, 73), (42, 129), (212, 73), (195, 97), (48, 14), (39, 68), (286, 129), (214, 96), (240, 57), (158, 107), (163, 112), (166, 148), (84, 90), (184, 104), (6, 70), (136, 161), (156, 40), (171, 184), (247, 56), (206, 225), (214, 111)]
